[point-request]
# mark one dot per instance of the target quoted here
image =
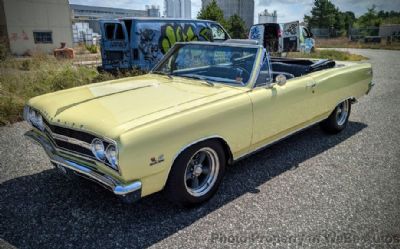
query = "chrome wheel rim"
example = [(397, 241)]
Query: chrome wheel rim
[(342, 112), (201, 172)]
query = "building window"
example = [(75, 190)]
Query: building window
[(43, 37)]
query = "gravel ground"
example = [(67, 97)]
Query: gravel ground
[(311, 190)]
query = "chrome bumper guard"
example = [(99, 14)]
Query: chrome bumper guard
[(105, 180)]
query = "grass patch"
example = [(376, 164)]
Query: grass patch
[(344, 42), (328, 54), (22, 79)]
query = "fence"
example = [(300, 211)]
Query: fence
[(363, 33), (326, 32), (357, 34)]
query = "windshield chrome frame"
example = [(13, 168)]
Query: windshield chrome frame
[(254, 72)]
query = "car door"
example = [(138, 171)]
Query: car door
[(291, 36), (257, 33), (281, 110), (115, 49), (306, 40)]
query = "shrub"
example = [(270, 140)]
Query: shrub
[(92, 49), (4, 50), (21, 80)]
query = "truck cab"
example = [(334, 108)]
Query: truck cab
[(141, 42), (283, 37)]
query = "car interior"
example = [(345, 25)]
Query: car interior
[(242, 68), (292, 68)]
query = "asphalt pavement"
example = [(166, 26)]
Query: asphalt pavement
[(309, 191)]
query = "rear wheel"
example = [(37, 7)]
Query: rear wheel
[(196, 173), (338, 119)]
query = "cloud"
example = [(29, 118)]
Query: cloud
[(271, 2), (125, 4), (288, 10)]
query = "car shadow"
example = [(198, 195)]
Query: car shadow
[(47, 210)]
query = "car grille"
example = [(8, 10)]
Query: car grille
[(82, 149), (83, 136)]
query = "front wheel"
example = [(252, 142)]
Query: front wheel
[(338, 119), (196, 173)]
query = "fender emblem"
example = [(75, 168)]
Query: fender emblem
[(154, 161)]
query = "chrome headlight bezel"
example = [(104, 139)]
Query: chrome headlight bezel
[(112, 156), (99, 152), (107, 154), (34, 118)]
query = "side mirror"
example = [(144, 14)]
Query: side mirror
[(281, 80)]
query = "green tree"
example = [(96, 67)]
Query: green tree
[(349, 19), (236, 27), (324, 14), (212, 12), (369, 19)]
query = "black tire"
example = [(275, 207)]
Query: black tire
[(177, 189), (336, 122)]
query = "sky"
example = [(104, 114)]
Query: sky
[(288, 10)]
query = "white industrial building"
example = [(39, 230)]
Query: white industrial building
[(178, 9), (35, 25), (266, 17)]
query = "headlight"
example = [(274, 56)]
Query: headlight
[(98, 149), (112, 156), (34, 118), (32, 115), (39, 121)]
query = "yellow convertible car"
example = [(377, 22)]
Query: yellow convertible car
[(203, 107)]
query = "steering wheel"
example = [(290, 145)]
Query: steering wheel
[(245, 73)]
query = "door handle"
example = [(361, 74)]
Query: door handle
[(311, 85)]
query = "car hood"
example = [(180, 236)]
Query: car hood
[(111, 108)]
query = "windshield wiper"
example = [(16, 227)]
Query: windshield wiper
[(203, 79), (163, 73)]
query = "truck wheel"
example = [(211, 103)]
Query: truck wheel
[(196, 174), (338, 119)]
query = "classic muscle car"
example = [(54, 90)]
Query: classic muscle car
[(202, 107)]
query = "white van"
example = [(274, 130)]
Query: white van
[(285, 37)]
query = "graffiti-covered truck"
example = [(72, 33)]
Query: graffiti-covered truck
[(141, 42)]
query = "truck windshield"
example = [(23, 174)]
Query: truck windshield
[(211, 63)]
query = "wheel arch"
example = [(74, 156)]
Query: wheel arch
[(221, 140)]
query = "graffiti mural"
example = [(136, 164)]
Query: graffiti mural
[(257, 33), (149, 49), (170, 34), (150, 40), (155, 39), (291, 29), (206, 34)]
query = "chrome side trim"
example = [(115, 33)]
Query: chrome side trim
[(275, 141), (104, 180)]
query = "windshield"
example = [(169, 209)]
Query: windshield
[(211, 63)]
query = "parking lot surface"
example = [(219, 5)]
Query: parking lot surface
[(311, 190)]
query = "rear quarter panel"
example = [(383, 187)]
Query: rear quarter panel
[(343, 82)]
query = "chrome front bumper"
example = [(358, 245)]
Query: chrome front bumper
[(105, 180)]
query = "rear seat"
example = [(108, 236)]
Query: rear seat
[(299, 70)]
